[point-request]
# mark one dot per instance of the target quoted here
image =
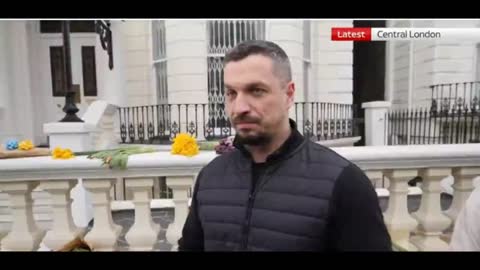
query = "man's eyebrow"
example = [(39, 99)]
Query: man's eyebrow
[(249, 85), (255, 84)]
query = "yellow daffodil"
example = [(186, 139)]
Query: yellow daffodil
[(67, 153), (59, 153), (25, 145), (184, 144)]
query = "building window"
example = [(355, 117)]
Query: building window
[(222, 36), (160, 61), (52, 27), (57, 71), (89, 71)]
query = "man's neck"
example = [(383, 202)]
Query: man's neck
[(261, 152)]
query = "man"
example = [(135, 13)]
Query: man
[(466, 232), (278, 191)]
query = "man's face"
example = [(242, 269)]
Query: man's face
[(257, 100)]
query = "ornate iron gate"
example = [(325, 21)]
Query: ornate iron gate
[(222, 36)]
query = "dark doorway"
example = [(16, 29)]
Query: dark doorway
[(368, 74)]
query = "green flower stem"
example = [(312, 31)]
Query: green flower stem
[(117, 158)]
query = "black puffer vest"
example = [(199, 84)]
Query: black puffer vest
[(288, 211)]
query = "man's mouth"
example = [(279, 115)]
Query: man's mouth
[(245, 125)]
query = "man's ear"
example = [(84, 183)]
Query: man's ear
[(290, 93)]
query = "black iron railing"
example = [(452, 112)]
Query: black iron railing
[(456, 124), (450, 95), (325, 121), (159, 124)]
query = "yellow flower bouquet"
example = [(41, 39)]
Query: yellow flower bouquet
[(21, 149), (185, 144), (25, 145), (59, 153)]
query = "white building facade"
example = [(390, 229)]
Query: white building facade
[(180, 62), (412, 67)]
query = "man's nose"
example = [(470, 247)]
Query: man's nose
[(241, 105)]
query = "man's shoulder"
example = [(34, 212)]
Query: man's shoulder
[(324, 155), (346, 170), (220, 162)]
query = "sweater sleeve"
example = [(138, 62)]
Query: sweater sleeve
[(356, 220), (192, 233)]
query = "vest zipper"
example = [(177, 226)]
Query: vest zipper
[(252, 194), (251, 199)]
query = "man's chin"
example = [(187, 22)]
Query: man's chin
[(253, 140)]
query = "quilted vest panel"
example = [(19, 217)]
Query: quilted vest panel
[(287, 212)]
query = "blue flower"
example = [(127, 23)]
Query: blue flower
[(11, 144)]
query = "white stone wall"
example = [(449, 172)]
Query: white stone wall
[(41, 102), (4, 78), (6, 113), (139, 68), (187, 78), (332, 64), (16, 107), (331, 75), (400, 67), (186, 47), (112, 83), (435, 62), (442, 61)]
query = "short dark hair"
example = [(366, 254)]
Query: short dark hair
[(281, 63)]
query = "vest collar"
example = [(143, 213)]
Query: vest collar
[(293, 142)]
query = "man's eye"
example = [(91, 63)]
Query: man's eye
[(258, 91), (230, 93)]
